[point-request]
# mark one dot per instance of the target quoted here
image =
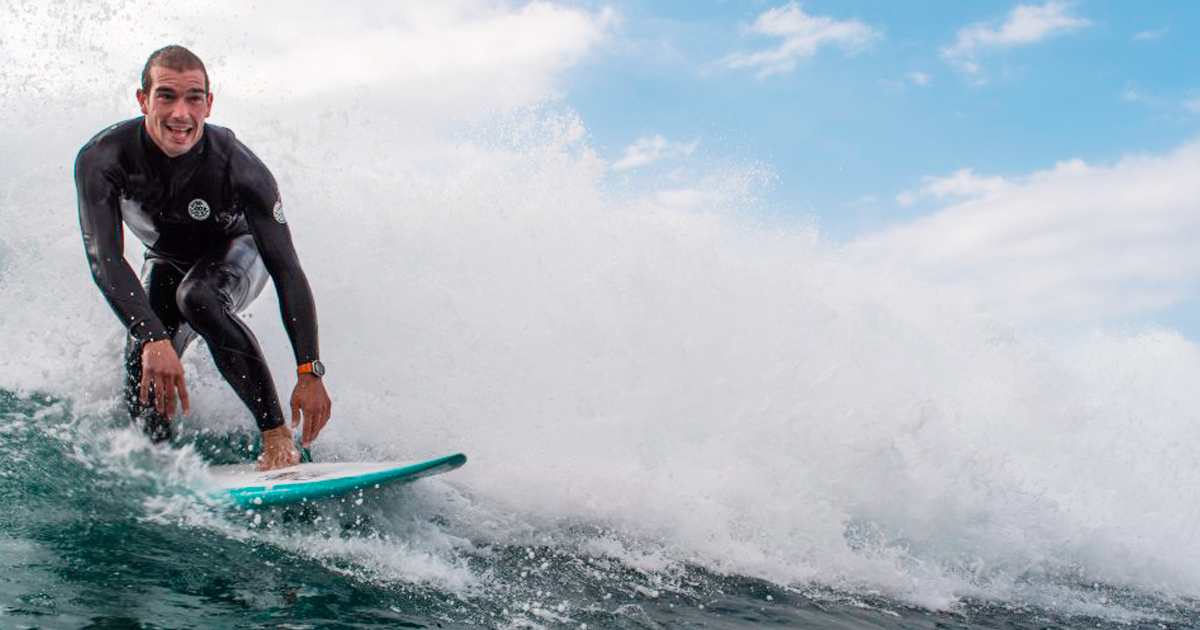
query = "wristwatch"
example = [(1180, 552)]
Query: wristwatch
[(316, 368)]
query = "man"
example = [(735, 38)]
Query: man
[(209, 213)]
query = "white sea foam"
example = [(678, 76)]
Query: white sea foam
[(695, 385)]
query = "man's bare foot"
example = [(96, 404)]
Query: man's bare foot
[(279, 451)]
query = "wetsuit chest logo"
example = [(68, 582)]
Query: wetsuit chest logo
[(199, 209), (277, 212)]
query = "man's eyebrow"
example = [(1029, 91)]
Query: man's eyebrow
[(165, 90)]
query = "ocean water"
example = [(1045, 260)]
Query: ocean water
[(682, 408)]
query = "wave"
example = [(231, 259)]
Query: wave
[(648, 371)]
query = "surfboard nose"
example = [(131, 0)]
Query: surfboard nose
[(250, 488)]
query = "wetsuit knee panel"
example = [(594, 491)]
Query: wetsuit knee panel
[(200, 299)]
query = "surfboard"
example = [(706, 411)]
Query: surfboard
[(311, 482)]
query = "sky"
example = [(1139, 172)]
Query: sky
[(1043, 157)]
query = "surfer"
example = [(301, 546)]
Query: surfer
[(210, 216)]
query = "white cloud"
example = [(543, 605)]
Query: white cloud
[(802, 35), (1024, 25), (919, 78), (439, 59), (1136, 96), (965, 183), (454, 55), (901, 85), (649, 150), (684, 198), (1075, 243), (1151, 34), (1188, 105)]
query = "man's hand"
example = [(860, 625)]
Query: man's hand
[(310, 398), (162, 369), (278, 449)]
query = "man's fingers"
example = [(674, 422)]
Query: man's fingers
[(322, 418), (144, 389), (295, 412), (162, 379), (314, 427), (172, 397), (158, 394), (306, 435), (183, 396), (316, 422), (310, 426), (168, 396)]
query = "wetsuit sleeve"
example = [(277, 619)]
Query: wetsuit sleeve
[(259, 197), (103, 238)]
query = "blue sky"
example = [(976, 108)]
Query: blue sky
[(860, 120), (875, 114)]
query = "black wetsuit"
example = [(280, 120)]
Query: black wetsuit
[(213, 225)]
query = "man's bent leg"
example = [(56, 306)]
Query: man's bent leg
[(217, 287), (161, 280)]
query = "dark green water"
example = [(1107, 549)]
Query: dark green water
[(99, 530)]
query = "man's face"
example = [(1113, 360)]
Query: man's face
[(175, 108)]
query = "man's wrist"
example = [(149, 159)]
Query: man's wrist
[(313, 368), (146, 332)]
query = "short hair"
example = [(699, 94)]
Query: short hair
[(176, 58)]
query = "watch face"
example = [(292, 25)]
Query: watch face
[(318, 369)]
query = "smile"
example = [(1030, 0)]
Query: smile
[(179, 132)]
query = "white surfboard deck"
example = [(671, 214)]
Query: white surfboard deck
[(310, 482)]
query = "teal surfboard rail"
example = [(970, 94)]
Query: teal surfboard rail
[(295, 492)]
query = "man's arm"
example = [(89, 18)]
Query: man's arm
[(259, 197), (103, 238)]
